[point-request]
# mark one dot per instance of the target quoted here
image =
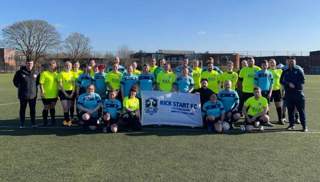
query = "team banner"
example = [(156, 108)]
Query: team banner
[(178, 109)]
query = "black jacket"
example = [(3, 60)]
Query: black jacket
[(26, 82), (294, 76), (205, 94)]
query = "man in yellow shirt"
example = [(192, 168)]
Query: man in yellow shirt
[(213, 78), (246, 79), (113, 80), (255, 111), (76, 73), (196, 74), (153, 65), (49, 92), (166, 79), (229, 75), (135, 68)]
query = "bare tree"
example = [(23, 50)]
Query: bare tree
[(124, 52), (32, 37), (77, 46)]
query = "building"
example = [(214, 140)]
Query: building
[(315, 62), (7, 59), (174, 56)]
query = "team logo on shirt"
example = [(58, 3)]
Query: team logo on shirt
[(151, 106)]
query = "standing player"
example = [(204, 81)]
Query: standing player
[(135, 68), (67, 91), (49, 92), (84, 80), (121, 68), (276, 89), (214, 114), (128, 81), (230, 101), (216, 68), (183, 64), (196, 74), (113, 80), (229, 75), (88, 104), (293, 80), (26, 81), (213, 78), (160, 68), (76, 73), (153, 65), (255, 111), (264, 80), (246, 78), (184, 83), (92, 64), (166, 79), (146, 80), (111, 112), (100, 83)]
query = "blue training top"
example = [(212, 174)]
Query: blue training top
[(89, 101), (184, 84), (113, 107), (264, 80), (100, 84), (229, 99), (127, 82), (84, 80), (215, 109)]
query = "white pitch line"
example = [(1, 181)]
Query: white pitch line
[(9, 103)]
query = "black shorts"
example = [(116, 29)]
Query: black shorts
[(111, 121), (232, 112), (258, 119), (246, 96), (276, 96), (49, 101), (63, 97), (215, 120), (265, 94)]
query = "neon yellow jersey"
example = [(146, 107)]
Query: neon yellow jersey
[(66, 79), (166, 80), (232, 76), (76, 74), (131, 104), (114, 79), (247, 74), (276, 73), (92, 72), (152, 68), (213, 80), (49, 82), (136, 72), (256, 106), (196, 75)]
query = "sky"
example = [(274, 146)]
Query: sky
[(199, 25)]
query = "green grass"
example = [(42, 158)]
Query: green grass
[(156, 154)]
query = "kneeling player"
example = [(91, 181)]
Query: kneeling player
[(214, 115), (131, 117), (255, 110), (88, 104), (230, 101), (111, 111)]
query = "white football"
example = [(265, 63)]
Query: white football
[(225, 126)]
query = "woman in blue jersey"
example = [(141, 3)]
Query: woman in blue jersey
[(88, 104)]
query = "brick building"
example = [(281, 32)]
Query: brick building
[(7, 59)]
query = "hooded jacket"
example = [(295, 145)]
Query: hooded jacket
[(26, 81)]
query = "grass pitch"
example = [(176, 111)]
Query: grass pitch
[(156, 154)]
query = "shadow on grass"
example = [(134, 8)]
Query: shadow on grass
[(10, 128)]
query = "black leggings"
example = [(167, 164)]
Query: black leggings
[(23, 107)]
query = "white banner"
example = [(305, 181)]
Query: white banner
[(178, 109)]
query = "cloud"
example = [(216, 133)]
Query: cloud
[(201, 32)]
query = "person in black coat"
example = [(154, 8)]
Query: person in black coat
[(292, 80), (26, 81), (204, 92)]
